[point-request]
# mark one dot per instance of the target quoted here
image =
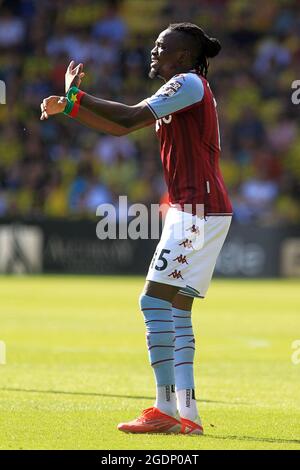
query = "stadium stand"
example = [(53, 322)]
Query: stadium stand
[(58, 169)]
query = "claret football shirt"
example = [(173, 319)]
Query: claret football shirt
[(187, 126)]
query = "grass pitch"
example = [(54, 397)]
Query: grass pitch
[(77, 365)]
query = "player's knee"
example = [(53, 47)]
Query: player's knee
[(157, 315), (148, 302), (146, 305)]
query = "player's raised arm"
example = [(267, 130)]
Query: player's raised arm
[(126, 116), (57, 104), (102, 115)]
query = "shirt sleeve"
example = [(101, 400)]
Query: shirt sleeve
[(178, 93)]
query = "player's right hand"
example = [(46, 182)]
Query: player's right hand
[(52, 105)]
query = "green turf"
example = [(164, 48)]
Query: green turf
[(77, 365)]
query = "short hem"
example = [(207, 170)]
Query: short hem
[(193, 296), (186, 291), (166, 283)]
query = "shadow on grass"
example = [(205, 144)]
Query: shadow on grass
[(108, 395), (254, 439), (211, 436)]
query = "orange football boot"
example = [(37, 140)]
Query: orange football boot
[(152, 420), (191, 427)]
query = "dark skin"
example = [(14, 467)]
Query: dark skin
[(171, 55)]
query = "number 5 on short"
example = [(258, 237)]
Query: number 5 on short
[(163, 260)]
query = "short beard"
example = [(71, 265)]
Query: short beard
[(153, 73)]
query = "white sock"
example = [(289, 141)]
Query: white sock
[(166, 399), (186, 403)]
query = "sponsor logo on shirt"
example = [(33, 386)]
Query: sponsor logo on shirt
[(170, 89)]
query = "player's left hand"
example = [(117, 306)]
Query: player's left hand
[(52, 105), (73, 75)]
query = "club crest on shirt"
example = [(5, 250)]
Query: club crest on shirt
[(170, 88)]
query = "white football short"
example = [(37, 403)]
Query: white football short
[(187, 252)]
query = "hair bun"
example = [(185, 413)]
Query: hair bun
[(212, 47)]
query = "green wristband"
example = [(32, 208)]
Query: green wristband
[(72, 91), (70, 99), (69, 106)]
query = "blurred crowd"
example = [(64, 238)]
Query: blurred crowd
[(58, 168)]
